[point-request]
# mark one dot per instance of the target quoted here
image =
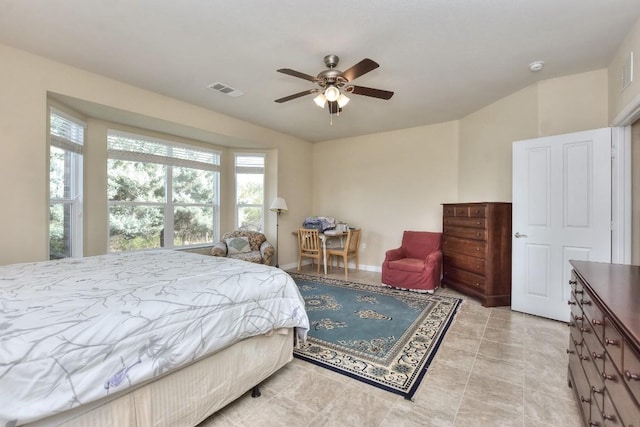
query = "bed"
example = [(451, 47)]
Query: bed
[(135, 339)]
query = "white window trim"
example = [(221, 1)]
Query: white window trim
[(77, 167), (248, 170), (170, 161)]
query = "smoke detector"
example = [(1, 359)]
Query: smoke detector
[(536, 66)]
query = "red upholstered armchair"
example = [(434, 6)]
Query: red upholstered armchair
[(417, 264)]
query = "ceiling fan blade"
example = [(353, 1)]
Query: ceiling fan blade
[(375, 93), (298, 74), (359, 69), (296, 95)]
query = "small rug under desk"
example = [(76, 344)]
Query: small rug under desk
[(381, 336)]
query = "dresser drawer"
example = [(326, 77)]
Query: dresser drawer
[(576, 310), (612, 341), (470, 280), (465, 232), (588, 364), (473, 248), (618, 399), (464, 262), (465, 222), (610, 412), (591, 311), (448, 211), (581, 386), (631, 372)]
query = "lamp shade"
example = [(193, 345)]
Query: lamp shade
[(320, 100), (279, 205), (342, 100), (331, 93)]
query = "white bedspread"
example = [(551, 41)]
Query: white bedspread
[(75, 330)]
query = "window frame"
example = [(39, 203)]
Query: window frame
[(244, 169), (72, 148), (169, 204)]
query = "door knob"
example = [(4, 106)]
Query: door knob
[(518, 235)]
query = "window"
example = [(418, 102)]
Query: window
[(161, 193), (250, 192), (66, 138)]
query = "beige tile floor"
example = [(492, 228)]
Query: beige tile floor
[(495, 367)]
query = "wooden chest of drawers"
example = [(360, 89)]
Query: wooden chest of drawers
[(604, 346), (476, 249)]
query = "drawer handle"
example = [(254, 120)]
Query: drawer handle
[(478, 223), (573, 282), (597, 322), (606, 376), (607, 341), (585, 330), (571, 352), (571, 324), (630, 376), (585, 302), (608, 417), (583, 400), (576, 343), (577, 292), (585, 358), (579, 318), (596, 355), (571, 302), (594, 423), (596, 390), (519, 235)]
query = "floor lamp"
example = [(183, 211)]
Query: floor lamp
[(279, 206)]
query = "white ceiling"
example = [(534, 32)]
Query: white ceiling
[(443, 58)]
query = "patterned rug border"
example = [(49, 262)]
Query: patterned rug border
[(424, 364)]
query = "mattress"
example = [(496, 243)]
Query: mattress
[(189, 395), (74, 331)]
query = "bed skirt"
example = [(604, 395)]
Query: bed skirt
[(188, 396)]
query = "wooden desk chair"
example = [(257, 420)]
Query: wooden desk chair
[(350, 249), (309, 246)]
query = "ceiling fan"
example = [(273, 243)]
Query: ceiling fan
[(333, 84)]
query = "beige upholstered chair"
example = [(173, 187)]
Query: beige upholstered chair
[(309, 246), (256, 249), (350, 249)]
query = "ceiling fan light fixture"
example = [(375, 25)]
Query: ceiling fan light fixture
[(332, 93), (343, 100), (320, 100)]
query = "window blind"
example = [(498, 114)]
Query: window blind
[(128, 146), (65, 132), (249, 163)]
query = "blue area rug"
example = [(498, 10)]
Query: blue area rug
[(381, 336)]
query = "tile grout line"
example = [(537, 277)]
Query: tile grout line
[(464, 391)]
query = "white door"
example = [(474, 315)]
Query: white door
[(561, 211)]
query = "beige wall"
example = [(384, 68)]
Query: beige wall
[(573, 103), (389, 182), (386, 183), (550, 107), (486, 136), (26, 79), (383, 183)]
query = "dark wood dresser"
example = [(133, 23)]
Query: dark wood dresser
[(604, 344), (476, 249)]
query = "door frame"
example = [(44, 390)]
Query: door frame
[(621, 194)]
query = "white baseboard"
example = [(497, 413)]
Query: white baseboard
[(352, 266)]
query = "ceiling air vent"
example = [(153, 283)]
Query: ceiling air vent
[(225, 89)]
